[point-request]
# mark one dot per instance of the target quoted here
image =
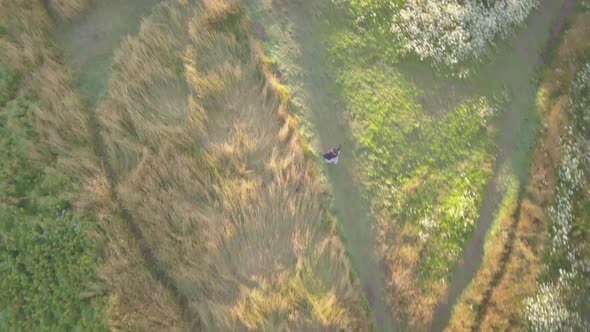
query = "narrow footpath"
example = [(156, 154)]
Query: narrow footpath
[(352, 210)]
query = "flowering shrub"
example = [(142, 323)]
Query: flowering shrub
[(450, 32)]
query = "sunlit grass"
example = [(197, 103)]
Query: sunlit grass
[(220, 183), (423, 172)]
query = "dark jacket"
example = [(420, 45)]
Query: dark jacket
[(332, 153)]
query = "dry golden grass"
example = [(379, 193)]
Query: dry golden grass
[(136, 299), (64, 128), (219, 183), (494, 299), (69, 8), (411, 300), (28, 24)]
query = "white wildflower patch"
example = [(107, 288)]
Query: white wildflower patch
[(463, 210), (548, 311), (427, 225), (551, 308), (450, 32), (570, 174), (582, 88), (573, 168)]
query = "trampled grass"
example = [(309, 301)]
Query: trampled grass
[(208, 162), (496, 299)]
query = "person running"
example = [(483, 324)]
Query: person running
[(331, 157)]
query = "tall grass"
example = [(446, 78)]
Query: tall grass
[(61, 173), (514, 258), (46, 254), (69, 8), (208, 161)]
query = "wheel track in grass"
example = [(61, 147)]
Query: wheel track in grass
[(514, 145), (106, 24)]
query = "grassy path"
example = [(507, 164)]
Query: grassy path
[(516, 70), (89, 43), (352, 210)]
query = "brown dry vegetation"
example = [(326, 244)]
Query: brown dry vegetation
[(69, 8), (409, 298), (208, 162), (66, 140), (137, 299), (495, 298)]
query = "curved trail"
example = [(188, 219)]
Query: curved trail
[(516, 70), (512, 65), (499, 273), (89, 42)]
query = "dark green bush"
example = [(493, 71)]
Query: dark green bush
[(46, 258)]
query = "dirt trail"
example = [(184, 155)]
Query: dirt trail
[(515, 69), (352, 210)]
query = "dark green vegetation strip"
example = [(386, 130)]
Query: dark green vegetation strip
[(46, 258)]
